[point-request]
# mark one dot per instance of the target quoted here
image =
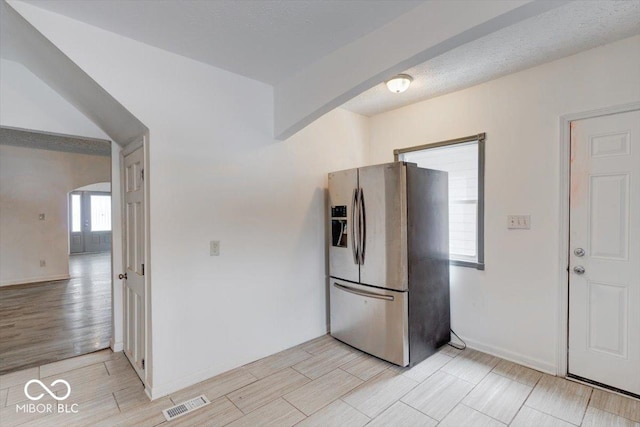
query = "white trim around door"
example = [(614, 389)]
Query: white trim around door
[(563, 273), (145, 368)]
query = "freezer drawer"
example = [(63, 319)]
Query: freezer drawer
[(371, 319)]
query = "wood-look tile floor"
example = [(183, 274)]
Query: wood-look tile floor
[(44, 322), (325, 383)]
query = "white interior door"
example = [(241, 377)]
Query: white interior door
[(134, 283), (604, 270)]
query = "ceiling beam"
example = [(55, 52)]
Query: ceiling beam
[(22, 43), (55, 142), (415, 37)]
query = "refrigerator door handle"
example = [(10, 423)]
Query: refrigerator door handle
[(354, 240), (363, 293), (363, 228)]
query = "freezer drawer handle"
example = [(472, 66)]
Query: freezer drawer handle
[(363, 293)]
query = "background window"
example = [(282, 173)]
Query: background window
[(100, 213), (76, 213), (463, 159)]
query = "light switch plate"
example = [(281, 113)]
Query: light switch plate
[(519, 222), (214, 248)]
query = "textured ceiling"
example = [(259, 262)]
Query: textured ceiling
[(564, 31), (47, 141), (267, 40)]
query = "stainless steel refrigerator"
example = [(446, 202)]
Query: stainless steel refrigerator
[(389, 260)]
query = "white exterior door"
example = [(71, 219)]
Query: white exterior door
[(604, 268), (134, 246), (90, 220)]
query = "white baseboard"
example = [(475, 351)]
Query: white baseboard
[(116, 346), (35, 280), (161, 390), (521, 359), (156, 392)]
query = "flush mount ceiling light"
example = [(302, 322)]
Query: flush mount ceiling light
[(399, 83)]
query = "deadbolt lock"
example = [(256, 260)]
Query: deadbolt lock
[(579, 252)]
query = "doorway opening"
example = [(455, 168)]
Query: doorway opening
[(55, 304), (90, 259)]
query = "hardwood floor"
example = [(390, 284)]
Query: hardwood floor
[(45, 322), (325, 383)]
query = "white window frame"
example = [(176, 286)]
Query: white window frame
[(480, 139)]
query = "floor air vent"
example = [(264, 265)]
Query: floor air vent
[(185, 407)]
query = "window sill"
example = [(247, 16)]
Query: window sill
[(470, 264)]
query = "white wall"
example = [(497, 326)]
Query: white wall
[(28, 103), (511, 308), (217, 174), (33, 182)]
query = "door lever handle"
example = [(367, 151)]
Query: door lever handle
[(122, 276)]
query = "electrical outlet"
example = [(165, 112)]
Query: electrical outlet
[(522, 222), (41, 217), (43, 263), (214, 248)]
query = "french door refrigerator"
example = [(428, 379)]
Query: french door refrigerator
[(389, 260)]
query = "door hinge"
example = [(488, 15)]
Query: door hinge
[(141, 173), (142, 363), (143, 269)]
